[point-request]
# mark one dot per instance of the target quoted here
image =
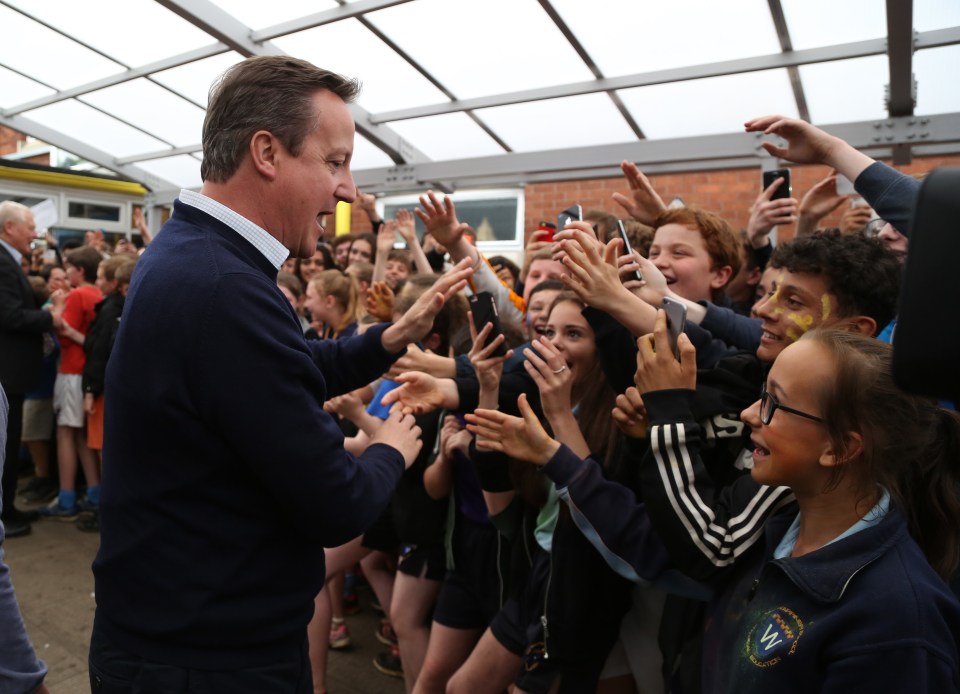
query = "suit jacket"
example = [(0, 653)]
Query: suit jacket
[(22, 324)]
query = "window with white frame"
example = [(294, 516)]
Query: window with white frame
[(495, 215)]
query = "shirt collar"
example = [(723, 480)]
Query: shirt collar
[(260, 238), (17, 255)]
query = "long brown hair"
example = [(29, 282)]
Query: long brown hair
[(595, 399), (910, 444)]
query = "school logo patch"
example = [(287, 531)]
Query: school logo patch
[(775, 635)]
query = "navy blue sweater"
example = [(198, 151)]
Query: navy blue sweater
[(224, 479), (865, 613)]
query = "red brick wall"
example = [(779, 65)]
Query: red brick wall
[(9, 140), (729, 193)]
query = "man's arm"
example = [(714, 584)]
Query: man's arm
[(14, 317), (20, 670)]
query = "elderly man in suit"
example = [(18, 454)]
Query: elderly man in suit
[(22, 324)]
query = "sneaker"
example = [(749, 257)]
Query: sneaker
[(89, 524), (385, 633), (339, 636), (41, 489), (55, 510), (87, 507), (389, 663)]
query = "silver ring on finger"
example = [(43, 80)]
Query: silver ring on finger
[(560, 370)]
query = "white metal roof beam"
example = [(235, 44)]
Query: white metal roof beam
[(224, 27), (354, 9), (119, 78), (859, 49), (694, 151), (84, 151), (591, 65)]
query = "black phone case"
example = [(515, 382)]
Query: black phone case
[(785, 190), (484, 310)]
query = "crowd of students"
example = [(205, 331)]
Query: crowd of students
[(594, 508), (84, 285)]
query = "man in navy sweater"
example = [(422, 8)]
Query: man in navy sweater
[(224, 479)]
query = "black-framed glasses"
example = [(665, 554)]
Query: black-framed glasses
[(769, 404)]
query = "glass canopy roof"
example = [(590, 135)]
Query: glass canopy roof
[(465, 91)]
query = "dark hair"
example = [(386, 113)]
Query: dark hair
[(596, 401), (401, 255), (370, 238), (87, 258), (546, 284), (499, 261), (273, 93), (911, 445), (605, 222), (328, 262), (861, 273), (640, 235)]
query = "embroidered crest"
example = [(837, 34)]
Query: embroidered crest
[(775, 635)]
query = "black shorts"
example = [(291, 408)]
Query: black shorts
[(470, 595), (423, 561), (519, 629), (382, 536)]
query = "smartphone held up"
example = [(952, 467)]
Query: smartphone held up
[(483, 308), (786, 188)]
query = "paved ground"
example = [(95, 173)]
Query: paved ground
[(53, 582)]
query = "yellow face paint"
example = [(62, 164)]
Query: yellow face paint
[(793, 335), (825, 307), (776, 309), (802, 322)]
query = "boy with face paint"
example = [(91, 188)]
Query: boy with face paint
[(821, 279)]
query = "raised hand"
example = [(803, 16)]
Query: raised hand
[(592, 267), (489, 368), (349, 405), (806, 144), (818, 202), (854, 219), (553, 377), (407, 227), (400, 431), (657, 368), (379, 301), (453, 437), (440, 218), (630, 415), (767, 213), (417, 321), (418, 393), (386, 237), (523, 438), (644, 203)]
